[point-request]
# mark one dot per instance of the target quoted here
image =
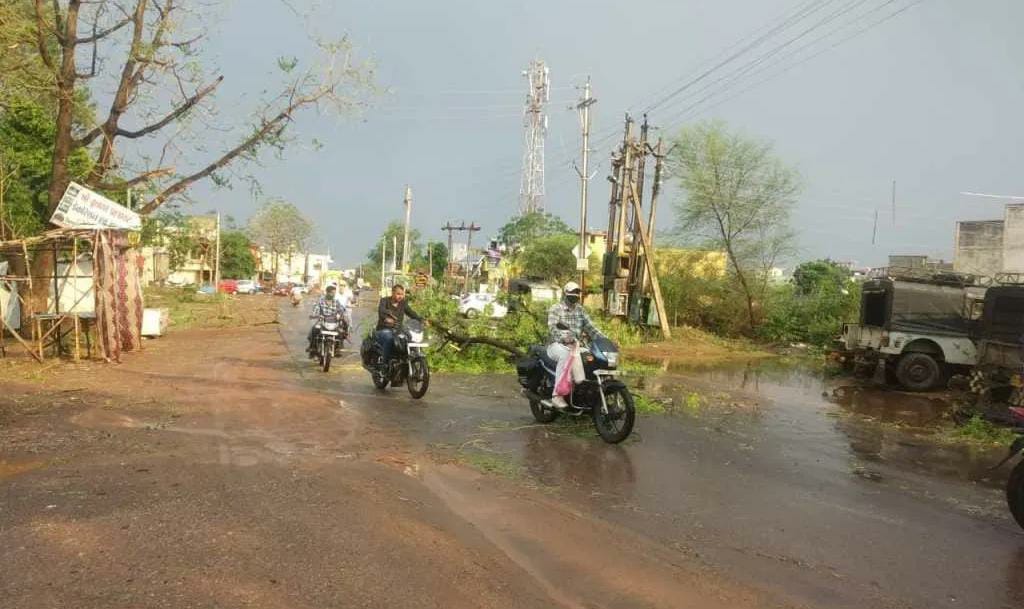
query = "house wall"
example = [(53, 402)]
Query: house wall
[(1013, 239), (979, 247)]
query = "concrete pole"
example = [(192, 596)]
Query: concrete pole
[(584, 108), (405, 238), (216, 264)]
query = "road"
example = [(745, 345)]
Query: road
[(221, 468)]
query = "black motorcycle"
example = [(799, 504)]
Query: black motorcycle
[(329, 339), (603, 396), (408, 362)]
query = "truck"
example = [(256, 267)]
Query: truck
[(915, 326), (1000, 340)]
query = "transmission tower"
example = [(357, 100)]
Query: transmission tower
[(531, 190)]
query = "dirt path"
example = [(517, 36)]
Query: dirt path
[(207, 472)]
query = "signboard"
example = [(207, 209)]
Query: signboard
[(576, 251), (421, 280), (83, 208), (583, 264)]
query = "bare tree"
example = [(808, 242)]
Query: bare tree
[(160, 82), (738, 197), (280, 228)]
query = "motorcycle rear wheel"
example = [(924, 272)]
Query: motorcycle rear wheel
[(379, 380), (418, 379), (542, 413), (1015, 493), (615, 425)]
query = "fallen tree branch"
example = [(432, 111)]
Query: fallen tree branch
[(462, 341)]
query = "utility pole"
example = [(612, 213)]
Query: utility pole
[(450, 229), (583, 261), (659, 162), (394, 254), (216, 264), (405, 238), (383, 265), (430, 260), (874, 229), (894, 203), (472, 228)]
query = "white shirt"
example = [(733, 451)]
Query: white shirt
[(345, 297)]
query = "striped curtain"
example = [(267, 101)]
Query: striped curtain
[(118, 294)]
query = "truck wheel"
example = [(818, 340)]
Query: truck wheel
[(918, 372)]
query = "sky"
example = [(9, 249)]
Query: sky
[(931, 97)]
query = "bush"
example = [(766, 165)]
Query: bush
[(813, 307)]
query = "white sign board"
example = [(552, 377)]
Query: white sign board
[(576, 251), (83, 208), (583, 264)]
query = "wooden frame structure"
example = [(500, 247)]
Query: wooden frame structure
[(49, 328)]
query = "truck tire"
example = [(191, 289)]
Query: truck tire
[(918, 372)]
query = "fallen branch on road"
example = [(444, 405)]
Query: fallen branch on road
[(461, 341)]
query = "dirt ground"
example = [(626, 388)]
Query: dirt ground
[(207, 472)]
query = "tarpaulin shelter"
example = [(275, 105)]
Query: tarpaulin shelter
[(91, 282)]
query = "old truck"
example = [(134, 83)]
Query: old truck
[(915, 327), (999, 337)]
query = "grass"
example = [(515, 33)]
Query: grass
[(488, 462), (979, 431), (648, 405), (186, 309)]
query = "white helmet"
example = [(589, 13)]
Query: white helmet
[(571, 288)]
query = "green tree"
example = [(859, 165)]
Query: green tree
[(236, 258), (26, 147), (440, 259), (523, 230), (820, 275), (813, 306), (394, 234), (550, 258), (738, 197)]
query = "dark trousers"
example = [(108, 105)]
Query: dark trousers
[(386, 341)]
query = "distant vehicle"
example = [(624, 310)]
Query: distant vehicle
[(247, 286), (918, 327), (282, 289), (228, 286), (205, 289), (301, 286), (475, 305)]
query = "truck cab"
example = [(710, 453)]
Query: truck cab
[(1000, 339), (916, 326)]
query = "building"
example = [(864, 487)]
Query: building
[(296, 267), (990, 247), (919, 262)]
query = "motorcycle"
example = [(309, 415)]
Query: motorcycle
[(329, 341), (604, 397), (1015, 485), (408, 362)]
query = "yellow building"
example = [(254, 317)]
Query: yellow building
[(705, 264)]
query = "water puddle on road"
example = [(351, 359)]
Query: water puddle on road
[(798, 401)]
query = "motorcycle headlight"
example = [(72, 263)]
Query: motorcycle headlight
[(416, 337), (330, 326), (613, 359)]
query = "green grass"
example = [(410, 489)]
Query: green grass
[(979, 431), (648, 405), (493, 463)]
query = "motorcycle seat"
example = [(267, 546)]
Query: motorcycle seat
[(541, 353)]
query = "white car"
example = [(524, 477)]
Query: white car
[(473, 305), (247, 286)]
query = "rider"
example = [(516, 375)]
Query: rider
[(346, 298), (391, 313), (568, 313), (326, 308)]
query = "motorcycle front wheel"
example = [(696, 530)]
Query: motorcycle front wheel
[(615, 425), (325, 358), (419, 378), (1015, 493)]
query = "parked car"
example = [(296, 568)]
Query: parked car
[(282, 289), (474, 305), (205, 289), (247, 286), (228, 286)]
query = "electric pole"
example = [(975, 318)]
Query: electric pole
[(472, 228), (894, 203), (874, 229), (448, 266), (583, 261), (405, 238), (216, 263)]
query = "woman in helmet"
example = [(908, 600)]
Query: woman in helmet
[(567, 323)]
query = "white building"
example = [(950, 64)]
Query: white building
[(298, 267)]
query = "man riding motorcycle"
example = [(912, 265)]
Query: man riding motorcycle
[(567, 323), (328, 307), (391, 312)]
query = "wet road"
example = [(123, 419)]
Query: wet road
[(822, 501)]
